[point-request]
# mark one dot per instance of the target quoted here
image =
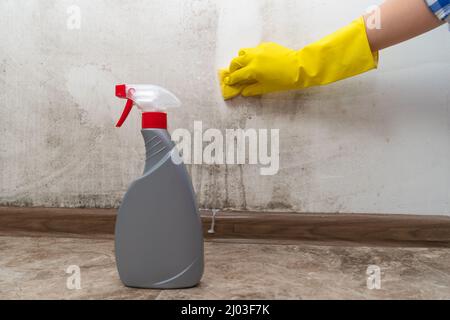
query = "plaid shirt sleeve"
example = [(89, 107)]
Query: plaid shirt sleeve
[(441, 8)]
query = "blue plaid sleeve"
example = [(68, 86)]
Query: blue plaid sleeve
[(441, 8)]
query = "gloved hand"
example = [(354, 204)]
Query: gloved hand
[(228, 92), (271, 67)]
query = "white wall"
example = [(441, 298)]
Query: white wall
[(376, 143)]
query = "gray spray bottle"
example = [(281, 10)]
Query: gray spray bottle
[(158, 236)]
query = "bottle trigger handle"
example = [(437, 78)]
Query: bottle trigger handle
[(125, 113)]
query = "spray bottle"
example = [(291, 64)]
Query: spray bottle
[(158, 236)]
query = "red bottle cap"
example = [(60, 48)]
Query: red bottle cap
[(154, 120)]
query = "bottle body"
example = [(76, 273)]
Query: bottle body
[(158, 236)]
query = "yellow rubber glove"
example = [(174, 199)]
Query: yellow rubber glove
[(229, 92), (271, 67)]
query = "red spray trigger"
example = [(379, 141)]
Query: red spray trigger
[(121, 93), (125, 113)]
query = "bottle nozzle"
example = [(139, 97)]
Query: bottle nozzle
[(153, 101), (121, 91)]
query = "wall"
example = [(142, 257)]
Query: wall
[(375, 143)]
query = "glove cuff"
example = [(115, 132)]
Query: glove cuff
[(340, 55)]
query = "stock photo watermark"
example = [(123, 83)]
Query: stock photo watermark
[(74, 17), (231, 147), (74, 280), (373, 277), (373, 21)]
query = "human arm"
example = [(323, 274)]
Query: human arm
[(347, 52), (400, 20)]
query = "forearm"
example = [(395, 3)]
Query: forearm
[(400, 20), (345, 53)]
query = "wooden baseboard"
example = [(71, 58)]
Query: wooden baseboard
[(327, 229), (63, 222)]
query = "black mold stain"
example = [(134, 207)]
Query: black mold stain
[(242, 187), (278, 205), (226, 203), (281, 199)]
